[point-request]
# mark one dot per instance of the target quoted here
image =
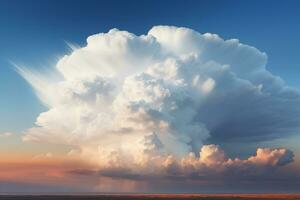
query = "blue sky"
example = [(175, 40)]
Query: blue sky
[(33, 33)]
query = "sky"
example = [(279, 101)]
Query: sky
[(149, 96)]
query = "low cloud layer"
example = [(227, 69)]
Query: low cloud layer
[(209, 163), (145, 105)]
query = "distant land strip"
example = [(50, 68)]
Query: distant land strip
[(153, 197)]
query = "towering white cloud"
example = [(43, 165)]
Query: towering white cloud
[(150, 102)]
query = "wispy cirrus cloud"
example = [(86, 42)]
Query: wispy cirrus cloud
[(6, 134)]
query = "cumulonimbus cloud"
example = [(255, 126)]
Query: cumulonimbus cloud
[(152, 101)]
